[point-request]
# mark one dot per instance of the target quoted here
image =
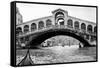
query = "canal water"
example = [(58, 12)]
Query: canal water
[(58, 54)]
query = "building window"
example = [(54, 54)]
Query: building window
[(70, 23), (33, 27), (76, 25), (48, 23), (83, 26), (41, 25), (26, 28), (19, 30), (95, 29), (89, 28)]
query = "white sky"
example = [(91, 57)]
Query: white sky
[(34, 11)]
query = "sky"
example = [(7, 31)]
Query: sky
[(35, 11)]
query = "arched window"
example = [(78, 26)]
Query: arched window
[(26, 28), (89, 28), (76, 25), (83, 26), (59, 14), (61, 21), (18, 30), (40, 24), (48, 23), (70, 23), (33, 27), (95, 29)]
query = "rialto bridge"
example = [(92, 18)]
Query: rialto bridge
[(34, 32)]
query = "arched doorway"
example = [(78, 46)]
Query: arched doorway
[(59, 18), (60, 21)]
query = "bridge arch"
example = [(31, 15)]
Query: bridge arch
[(89, 28), (76, 25), (48, 23), (40, 25), (59, 14), (33, 27), (60, 21), (41, 37), (70, 22), (18, 30), (26, 28), (59, 18), (83, 26)]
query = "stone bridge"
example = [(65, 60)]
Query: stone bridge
[(34, 32)]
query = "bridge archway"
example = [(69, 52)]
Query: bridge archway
[(70, 22), (60, 21), (59, 14), (76, 25), (33, 27), (89, 28), (83, 26), (26, 28), (59, 18), (41, 37), (40, 25), (18, 30), (48, 23)]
